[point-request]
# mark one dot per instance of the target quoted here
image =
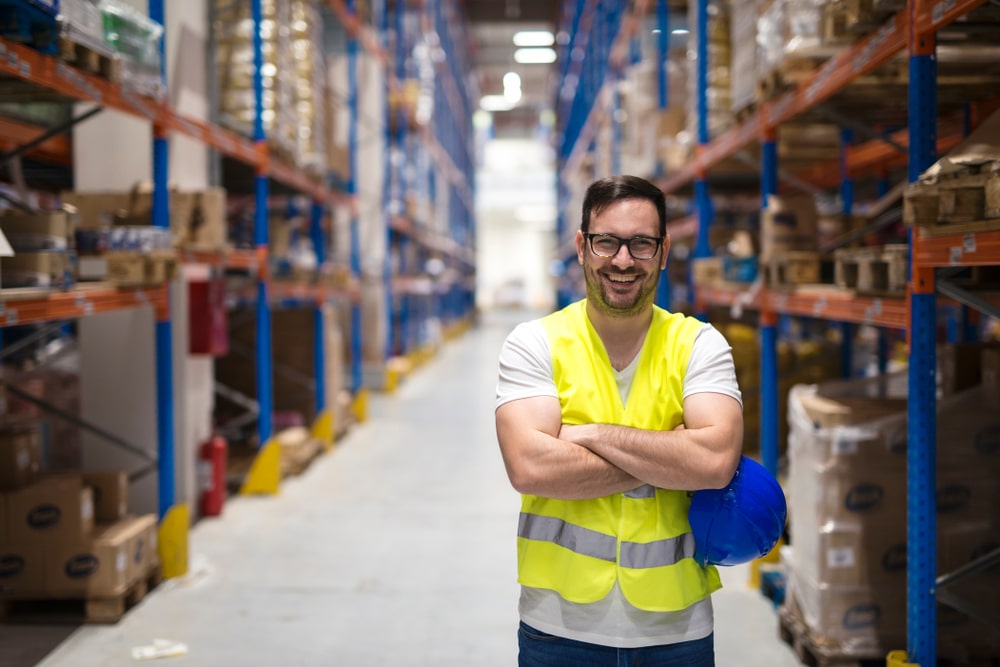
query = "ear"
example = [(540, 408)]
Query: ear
[(666, 251), (581, 245)]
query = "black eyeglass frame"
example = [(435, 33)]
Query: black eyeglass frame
[(626, 241)]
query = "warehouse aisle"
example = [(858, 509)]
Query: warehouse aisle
[(395, 549)]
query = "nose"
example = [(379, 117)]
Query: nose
[(623, 258)]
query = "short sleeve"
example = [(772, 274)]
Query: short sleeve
[(525, 365), (710, 367)]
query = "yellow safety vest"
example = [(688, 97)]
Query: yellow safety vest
[(641, 538)]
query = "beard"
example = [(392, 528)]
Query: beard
[(620, 305)]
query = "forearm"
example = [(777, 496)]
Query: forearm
[(554, 468), (686, 459)]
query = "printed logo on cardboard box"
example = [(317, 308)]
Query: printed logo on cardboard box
[(864, 497), (894, 558), (11, 565), (861, 616), (81, 566), (953, 498), (988, 440), (44, 516)]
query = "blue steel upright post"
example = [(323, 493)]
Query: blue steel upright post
[(663, 102), (265, 388), (921, 524), (164, 330), (352, 189), (847, 208), (769, 395), (318, 239), (703, 205)]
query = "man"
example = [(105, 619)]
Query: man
[(608, 413)]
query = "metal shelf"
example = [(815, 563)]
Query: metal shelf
[(47, 74), (826, 304), (32, 306), (972, 249), (863, 57)]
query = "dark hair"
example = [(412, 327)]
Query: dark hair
[(606, 191)]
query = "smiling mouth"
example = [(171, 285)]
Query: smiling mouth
[(620, 279)]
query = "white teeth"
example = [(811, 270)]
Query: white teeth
[(621, 279)]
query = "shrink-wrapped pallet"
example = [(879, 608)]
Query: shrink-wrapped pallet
[(234, 59), (847, 485)]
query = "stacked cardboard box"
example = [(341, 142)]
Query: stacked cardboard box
[(848, 493), (42, 250), (68, 536)]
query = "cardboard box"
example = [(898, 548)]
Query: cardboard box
[(860, 619), (93, 568), (39, 232), (20, 456), (788, 224), (110, 489), (22, 568), (36, 269), (197, 219), (961, 365), (115, 557), (53, 511), (142, 543), (991, 370)]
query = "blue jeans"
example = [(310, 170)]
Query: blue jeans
[(540, 649)]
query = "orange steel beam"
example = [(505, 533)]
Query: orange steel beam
[(80, 302), (931, 15), (14, 133), (835, 75), (981, 249), (56, 76), (845, 306)]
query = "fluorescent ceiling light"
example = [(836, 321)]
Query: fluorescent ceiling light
[(679, 31), (535, 56), (511, 80), (495, 103), (534, 38)]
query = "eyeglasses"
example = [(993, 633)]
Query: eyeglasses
[(608, 245)]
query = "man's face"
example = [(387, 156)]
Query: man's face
[(622, 286)]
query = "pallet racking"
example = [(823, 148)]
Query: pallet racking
[(249, 163), (912, 31)]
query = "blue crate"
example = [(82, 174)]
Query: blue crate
[(739, 269), (32, 22)]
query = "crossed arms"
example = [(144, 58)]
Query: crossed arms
[(545, 457)]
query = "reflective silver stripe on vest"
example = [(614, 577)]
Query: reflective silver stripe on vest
[(575, 538), (660, 553), (644, 491)]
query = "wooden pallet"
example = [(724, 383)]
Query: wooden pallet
[(877, 270), (957, 203), (77, 610), (128, 269), (793, 268), (792, 630), (87, 58)]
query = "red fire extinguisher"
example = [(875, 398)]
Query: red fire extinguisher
[(212, 476)]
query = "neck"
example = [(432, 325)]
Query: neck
[(622, 336)]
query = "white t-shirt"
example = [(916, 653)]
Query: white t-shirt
[(525, 372)]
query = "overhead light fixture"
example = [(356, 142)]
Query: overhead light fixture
[(679, 31), (534, 38), (495, 103), (535, 56)]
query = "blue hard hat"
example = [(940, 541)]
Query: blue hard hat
[(740, 522)]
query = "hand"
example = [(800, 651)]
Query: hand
[(575, 433)]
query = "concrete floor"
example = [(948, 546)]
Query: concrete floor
[(397, 548)]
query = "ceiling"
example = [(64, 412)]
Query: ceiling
[(493, 24)]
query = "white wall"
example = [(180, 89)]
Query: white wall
[(515, 213), (117, 350)]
